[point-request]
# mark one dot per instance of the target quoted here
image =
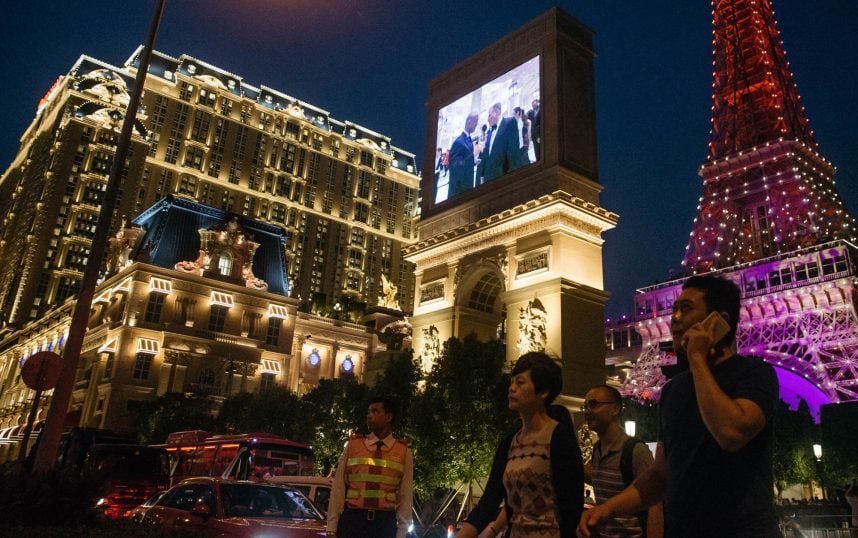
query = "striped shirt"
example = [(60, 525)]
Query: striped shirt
[(608, 482)]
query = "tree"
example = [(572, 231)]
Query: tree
[(461, 415), (840, 442), (172, 412), (795, 433), (334, 409), (399, 382), (275, 410)]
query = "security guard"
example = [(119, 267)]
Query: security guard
[(371, 495)]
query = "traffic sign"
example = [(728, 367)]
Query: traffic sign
[(41, 371)]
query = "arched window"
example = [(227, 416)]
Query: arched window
[(224, 264)]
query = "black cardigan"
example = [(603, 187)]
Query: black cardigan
[(567, 475)]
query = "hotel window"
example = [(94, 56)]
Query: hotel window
[(142, 365), (291, 130), (159, 113), (186, 90), (366, 158), (215, 164), (67, 287), (246, 114), (217, 318), (345, 207), (278, 213), (364, 179), (154, 307), (327, 202), (224, 263), (207, 377), (358, 237), (272, 337), (187, 184), (200, 128), (361, 212), (284, 186), (310, 196), (207, 98), (296, 192), (225, 106), (267, 381), (355, 259), (194, 158)]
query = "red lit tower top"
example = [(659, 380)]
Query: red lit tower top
[(766, 190)]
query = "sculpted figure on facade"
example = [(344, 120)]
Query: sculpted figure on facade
[(387, 298), (119, 248), (532, 323), (431, 351), (503, 264)]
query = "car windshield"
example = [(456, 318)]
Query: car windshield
[(257, 500)]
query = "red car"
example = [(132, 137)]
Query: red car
[(220, 507)]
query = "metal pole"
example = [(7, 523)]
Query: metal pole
[(54, 422)]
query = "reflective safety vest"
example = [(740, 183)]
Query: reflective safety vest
[(373, 482)]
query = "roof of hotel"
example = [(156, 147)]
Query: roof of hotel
[(172, 227)]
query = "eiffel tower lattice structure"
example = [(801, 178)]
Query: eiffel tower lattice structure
[(770, 219)]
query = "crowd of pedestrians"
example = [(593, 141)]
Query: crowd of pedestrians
[(711, 475)]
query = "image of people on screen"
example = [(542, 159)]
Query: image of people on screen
[(489, 132)]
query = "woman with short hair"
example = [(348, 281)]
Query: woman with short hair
[(537, 472)]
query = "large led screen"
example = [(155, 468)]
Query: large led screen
[(489, 132)]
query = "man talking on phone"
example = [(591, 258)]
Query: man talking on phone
[(713, 461)]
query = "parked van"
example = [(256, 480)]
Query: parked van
[(316, 488)]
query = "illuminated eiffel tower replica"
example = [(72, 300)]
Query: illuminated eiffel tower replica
[(770, 219)]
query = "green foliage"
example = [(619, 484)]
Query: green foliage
[(334, 409), (461, 415), (795, 434), (172, 412), (840, 443), (275, 410), (399, 383)]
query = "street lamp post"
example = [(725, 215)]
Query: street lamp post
[(54, 422), (820, 468)]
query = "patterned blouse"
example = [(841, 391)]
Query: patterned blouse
[(530, 490)]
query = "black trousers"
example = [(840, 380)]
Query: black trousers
[(355, 523)]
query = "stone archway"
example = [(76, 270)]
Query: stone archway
[(479, 306)]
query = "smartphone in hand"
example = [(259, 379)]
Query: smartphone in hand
[(716, 325)]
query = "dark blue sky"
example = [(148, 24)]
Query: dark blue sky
[(370, 62)]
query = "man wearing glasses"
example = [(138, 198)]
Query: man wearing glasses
[(617, 460), (713, 462)]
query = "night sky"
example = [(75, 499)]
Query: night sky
[(370, 62)]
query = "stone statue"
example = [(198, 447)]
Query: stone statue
[(532, 323), (387, 298), (431, 351)]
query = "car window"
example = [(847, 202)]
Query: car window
[(256, 500), (323, 495), (187, 496)]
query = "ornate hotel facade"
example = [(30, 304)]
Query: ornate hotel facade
[(342, 199), (346, 197)]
